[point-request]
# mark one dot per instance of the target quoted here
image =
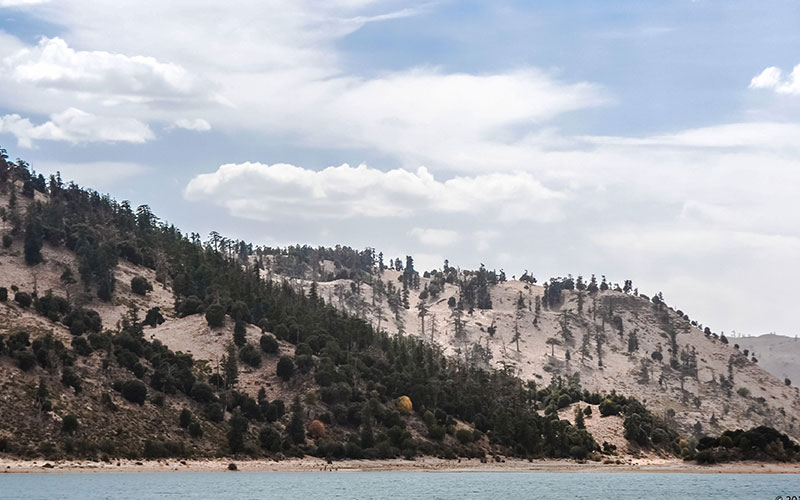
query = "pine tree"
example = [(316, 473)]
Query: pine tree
[(580, 423), (230, 366), (296, 428), (239, 334), (67, 281), (33, 243), (633, 341), (238, 430), (520, 311), (423, 311)]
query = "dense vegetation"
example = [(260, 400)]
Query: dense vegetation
[(758, 443)]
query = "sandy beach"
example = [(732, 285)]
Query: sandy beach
[(419, 465)]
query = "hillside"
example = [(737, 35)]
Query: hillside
[(702, 382), (122, 337)]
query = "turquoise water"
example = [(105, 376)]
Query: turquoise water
[(397, 486)]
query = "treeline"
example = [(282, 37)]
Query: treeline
[(759, 443)]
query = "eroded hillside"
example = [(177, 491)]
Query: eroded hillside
[(616, 341)]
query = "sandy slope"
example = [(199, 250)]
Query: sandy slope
[(694, 400)]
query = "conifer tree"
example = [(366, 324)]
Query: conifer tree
[(296, 428)]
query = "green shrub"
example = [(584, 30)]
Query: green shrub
[(706, 457), (71, 379), (436, 432), (185, 418), (250, 355), (69, 424), (23, 299), (270, 439), (240, 311), (464, 436), (303, 349), (659, 436), (239, 334), (215, 412), (285, 368), (203, 393), (268, 344), (195, 430), (215, 315), (608, 407), (304, 363), (154, 450), (190, 305), (81, 321), (81, 346), (153, 318), (141, 286), (134, 391), (25, 360), (578, 451)]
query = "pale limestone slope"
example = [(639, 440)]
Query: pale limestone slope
[(697, 401)]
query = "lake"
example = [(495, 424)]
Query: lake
[(397, 485)]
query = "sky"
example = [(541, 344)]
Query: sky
[(657, 141)]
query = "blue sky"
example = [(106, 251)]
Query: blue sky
[(656, 141)]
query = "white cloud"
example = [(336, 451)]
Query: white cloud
[(253, 61), (434, 237), (197, 124), (75, 126), (263, 192), (772, 78), (783, 136), (52, 64)]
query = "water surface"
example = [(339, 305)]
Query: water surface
[(397, 486)]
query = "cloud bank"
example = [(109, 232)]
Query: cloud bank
[(265, 192), (77, 127)]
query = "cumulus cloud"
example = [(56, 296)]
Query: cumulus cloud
[(772, 78), (197, 124), (258, 191), (434, 237), (53, 64), (75, 126)]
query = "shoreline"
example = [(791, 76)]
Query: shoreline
[(427, 464)]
